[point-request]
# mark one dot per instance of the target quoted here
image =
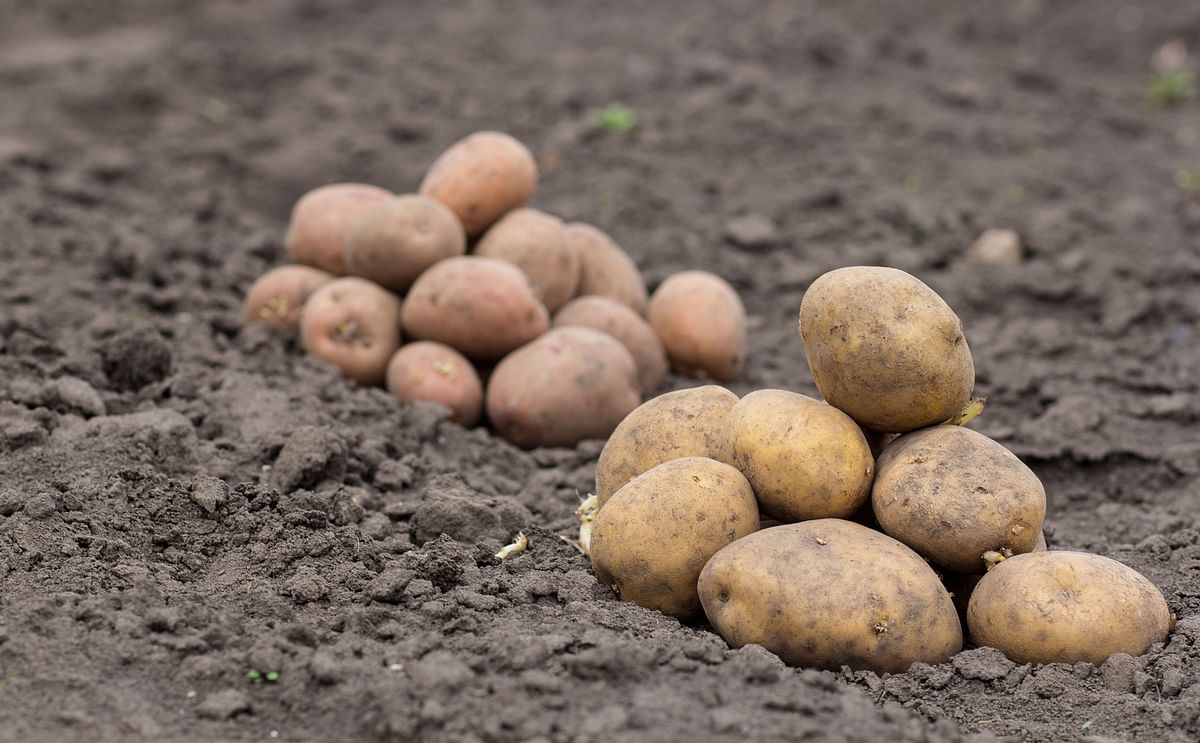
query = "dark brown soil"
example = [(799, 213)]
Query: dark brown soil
[(184, 500)]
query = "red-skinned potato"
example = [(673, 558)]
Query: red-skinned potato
[(394, 244), (612, 317), (702, 324), (276, 298), (323, 219), (354, 325), (426, 370), (481, 178), (536, 243), (605, 269)]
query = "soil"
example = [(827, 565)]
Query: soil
[(205, 535)]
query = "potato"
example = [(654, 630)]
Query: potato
[(953, 494), (830, 593), (426, 370), (657, 532), (537, 244), (612, 317), (604, 269), (962, 585), (323, 219), (885, 349), (805, 459), (481, 178), (397, 241), (276, 298), (702, 324), (571, 384), (481, 307), (354, 325), (683, 423), (1066, 607)]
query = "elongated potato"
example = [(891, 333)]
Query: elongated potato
[(396, 242), (537, 244), (426, 370), (323, 219), (805, 458), (1066, 607), (702, 324), (354, 325), (830, 593), (605, 269), (884, 348), (612, 317), (481, 178), (656, 533), (278, 296), (683, 423)]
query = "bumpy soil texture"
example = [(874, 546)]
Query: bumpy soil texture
[(185, 500)]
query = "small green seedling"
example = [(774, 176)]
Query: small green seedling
[(259, 677), (1170, 88), (616, 118), (1188, 180)]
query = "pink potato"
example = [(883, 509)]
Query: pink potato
[(396, 242), (537, 244), (276, 298), (701, 321), (612, 317), (323, 219), (354, 325), (426, 370), (481, 178), (605, 269)]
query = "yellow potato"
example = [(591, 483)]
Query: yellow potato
[(395, 243), (481, 178), (701, 321), (605, 269), (612, 317), (536, 243)]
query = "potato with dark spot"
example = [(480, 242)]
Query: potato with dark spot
[(354, 325), (481, 178), (654, 536), (426, 370), (323, 219), (278, 296), (612, 317), (884, 348), (395, 243), (953, 494), (1066, 607), (536, 243), (605, 269), (701, 321), (830, 593), (805, 458), (683, 423)]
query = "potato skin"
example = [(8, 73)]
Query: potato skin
[(683, 423), (481, 178), (656, 533), (401, 238), (701, 321), (568, 385), (605, 269), (354, 325), (612, 317), (426, 370), (805, 458), (323, 219), (537, 244), (829, 593), (276, 298), (1066, 607), (952, 494), (481, 307)]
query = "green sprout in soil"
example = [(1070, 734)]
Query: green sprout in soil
[(616, 118), (259, 677), (1170, 88), (1188, 180)]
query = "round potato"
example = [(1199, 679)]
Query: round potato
[(604, 269), (612, 317), (830, 593), (885, 349), (481, 178), (323, 219), (805, 458), (1066, 607), (426, 370), (655, 535), (683, 423), (962, 585), (953, 494), (537, 244), (571, 384), (702, 324), (354, 325), (395, 243), (276, 298), (482, 307)]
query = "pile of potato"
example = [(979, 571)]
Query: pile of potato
[(554, 317), (869, 530)]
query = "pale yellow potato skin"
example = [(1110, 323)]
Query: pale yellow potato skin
[(953, 494), (605, 269), (536, 243), (684, 423), (1066, 607), (884, 348), (805, 458), (654, 536), (610, 316), (481, 178), (702, 323), (830, 593)]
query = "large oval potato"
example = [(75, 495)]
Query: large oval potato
[(830, 593), (481, 178), (481, 307), (323, 219), (805, 458), (276, 298), (432, 371), (568, 385), (654, 536), (884, 348), (354, 325), (396, 242), (953, 494), (683, 423), (612, 317), (1066, 607), (701, 321), (605, 269), (537, 244)]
